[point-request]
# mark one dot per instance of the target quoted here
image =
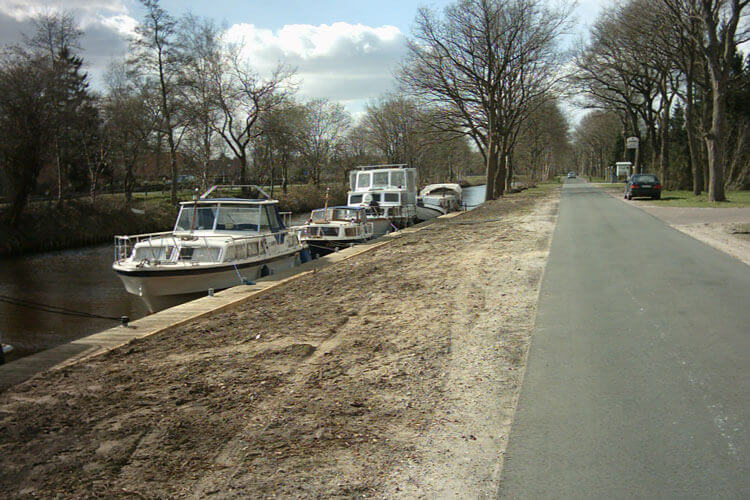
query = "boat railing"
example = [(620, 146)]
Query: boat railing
[(124, 244)]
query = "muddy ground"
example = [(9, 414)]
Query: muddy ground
[(392, 374)]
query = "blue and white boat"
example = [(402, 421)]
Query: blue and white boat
[(333, 228)]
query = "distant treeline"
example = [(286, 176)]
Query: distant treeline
[(45, 226)]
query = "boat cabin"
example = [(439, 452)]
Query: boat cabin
[(346, 214), (383, 184)]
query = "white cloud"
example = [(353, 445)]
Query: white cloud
[(349, 63), (26, 9)]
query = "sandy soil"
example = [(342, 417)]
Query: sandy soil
[(394, 374)]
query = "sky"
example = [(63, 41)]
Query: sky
[(343, 50)]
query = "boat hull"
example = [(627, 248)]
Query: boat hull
[(427, 212), (161, 288), (324, 247)]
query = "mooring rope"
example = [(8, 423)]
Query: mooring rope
[(52, 309)]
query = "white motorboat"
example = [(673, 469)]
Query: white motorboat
[(388, 192), (438, 199), (216, 243), (330, 229)]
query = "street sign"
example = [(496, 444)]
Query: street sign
[(631, 143)]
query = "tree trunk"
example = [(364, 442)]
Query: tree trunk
[(715, 142), (129, 182), (508, 173), (501, 160), (491, 167), (664, 155), (59, 174), (695, 167)]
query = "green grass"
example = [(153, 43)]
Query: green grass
[(688, 199)]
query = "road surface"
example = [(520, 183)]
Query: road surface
[(638, 380)]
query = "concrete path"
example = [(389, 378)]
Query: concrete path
[(638, 380)]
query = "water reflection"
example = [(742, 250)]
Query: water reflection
[(80, 280)]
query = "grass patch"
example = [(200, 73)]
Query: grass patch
[(687, 198)]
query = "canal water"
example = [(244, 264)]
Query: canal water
[(79, 280)]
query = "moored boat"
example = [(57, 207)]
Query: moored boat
[(387, 192), (330, 229), (216, 243), (438, 199)]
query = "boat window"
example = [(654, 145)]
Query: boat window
[(355, 198), (410, 180), (397, 178), (152, 253), (318, 215), (391, 197), (352, 180), (186, 253), (375, 196), (363, 180), (329, 231), (240, 251), (351, 231), (192, 217), (380, 179), (344, 214), (269, 219), (238, 218), (204, 254)]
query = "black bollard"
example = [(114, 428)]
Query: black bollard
[(124, 320)]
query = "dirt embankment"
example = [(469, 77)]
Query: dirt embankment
[(392, 374)]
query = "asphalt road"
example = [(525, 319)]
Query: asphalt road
[(638, 380)]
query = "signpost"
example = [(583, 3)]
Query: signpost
[(632, 143)]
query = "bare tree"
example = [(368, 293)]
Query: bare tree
[(322, 134), (488, 63), (156, 55), (391, 127), (131, 120), (242, 97), (202, 39), (717, 40)]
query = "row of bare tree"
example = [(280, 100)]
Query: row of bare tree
[(651, 61), (479, 84), (487, 67)]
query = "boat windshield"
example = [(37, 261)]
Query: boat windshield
[(194, 217), (335, 214), (238, 218)]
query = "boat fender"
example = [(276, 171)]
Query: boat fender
[(265, 271)]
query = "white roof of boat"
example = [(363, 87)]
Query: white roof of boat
[(434, 187), (215, 201)]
